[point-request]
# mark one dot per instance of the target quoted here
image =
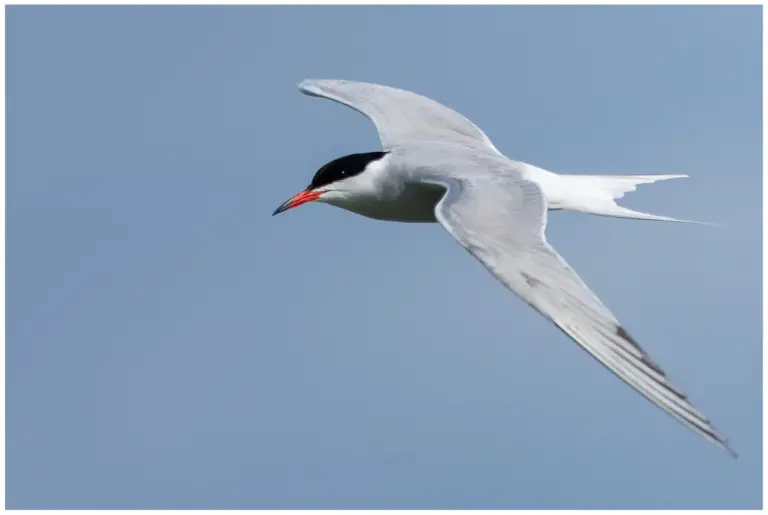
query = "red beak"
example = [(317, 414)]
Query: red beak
[(300, 198)]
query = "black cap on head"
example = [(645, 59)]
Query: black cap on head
[(343, 168)]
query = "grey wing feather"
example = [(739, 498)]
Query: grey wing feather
[(400, 116), (501, 221)]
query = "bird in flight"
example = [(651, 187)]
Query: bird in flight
[(437, 166)]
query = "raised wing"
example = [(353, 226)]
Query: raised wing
[(400, 116), (501, 221)]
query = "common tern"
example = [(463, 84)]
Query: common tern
[(437, 166)]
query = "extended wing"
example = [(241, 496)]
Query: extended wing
[(400, 117), (501, 221)]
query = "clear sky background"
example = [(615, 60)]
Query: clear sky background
[(171, 345)]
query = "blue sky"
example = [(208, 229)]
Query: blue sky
[(171, 345)]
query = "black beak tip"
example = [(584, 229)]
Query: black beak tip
[(280, 209)]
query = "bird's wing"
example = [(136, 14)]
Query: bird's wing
[(400, 116), (501, 221)]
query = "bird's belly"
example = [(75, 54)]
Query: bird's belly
[(414, 203)]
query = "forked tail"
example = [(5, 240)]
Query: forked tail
[(601, 191)]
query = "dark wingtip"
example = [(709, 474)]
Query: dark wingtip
[(624, 335), (710, 432), (727, 448)]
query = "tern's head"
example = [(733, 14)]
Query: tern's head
[(345, 177)]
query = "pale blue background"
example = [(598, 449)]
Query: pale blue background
[(171, 345)]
